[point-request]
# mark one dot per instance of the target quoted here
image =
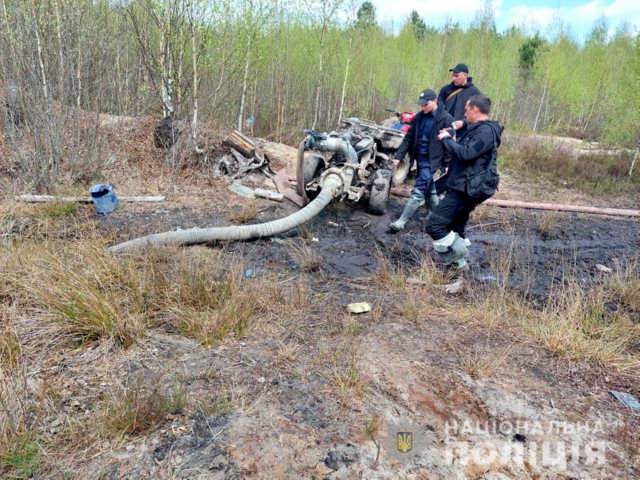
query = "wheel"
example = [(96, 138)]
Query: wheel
[(401, 172), (306, 170), (379, 195), (310, 167)]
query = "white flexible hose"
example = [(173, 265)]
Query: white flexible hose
[(331, 187)]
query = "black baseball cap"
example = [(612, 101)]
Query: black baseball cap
[(425, 96), (461, 67)]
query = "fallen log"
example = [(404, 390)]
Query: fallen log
[(562, 208), (242, 143), (403, 192), (52, 198)]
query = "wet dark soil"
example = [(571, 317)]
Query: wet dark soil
[(507, 245)]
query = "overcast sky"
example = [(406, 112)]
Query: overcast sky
[(542, 15)]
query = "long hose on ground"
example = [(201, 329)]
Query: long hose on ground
[(330, 188)]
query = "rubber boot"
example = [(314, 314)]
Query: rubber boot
[(452, 249), (433, 202), (415, 201)]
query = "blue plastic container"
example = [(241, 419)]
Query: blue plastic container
[(104, 198)]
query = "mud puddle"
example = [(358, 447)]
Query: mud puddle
[(507, 246)]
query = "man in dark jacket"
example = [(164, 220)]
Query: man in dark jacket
[(472, 178), (453, 97), (421, 141)]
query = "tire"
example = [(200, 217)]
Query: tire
[(307, 168), (310, 167), (379, 195), (401, 172)]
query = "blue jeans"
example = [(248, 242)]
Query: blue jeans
[(423, 182)]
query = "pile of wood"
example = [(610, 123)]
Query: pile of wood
[(243, 158)]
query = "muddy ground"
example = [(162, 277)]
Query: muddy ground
[(326, 396), (350, 241)]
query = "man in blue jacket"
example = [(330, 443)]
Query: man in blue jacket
[(421, 141), (471, 179)]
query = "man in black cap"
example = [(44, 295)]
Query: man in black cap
[(421, 141), (453, 97)]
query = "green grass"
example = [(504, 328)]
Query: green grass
[(23, 460), (60, 209)]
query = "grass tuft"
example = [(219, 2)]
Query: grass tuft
[(135, 410), (546, 224), (60, 209), (307, 259), (245, 214), (23, 460)]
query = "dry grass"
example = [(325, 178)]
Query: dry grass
[(307, 259), (623, 287), (546, 223), (481, 364), (10, 346), (93, 295), (245, 214), (344, 378), (389, 276), (60, 209), (209, 307), (134, 410), (89, 293), (593, 173), (19, 448), (413, 308), (574, 323)]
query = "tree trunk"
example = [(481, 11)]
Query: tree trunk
[(194, 56), (43, 74), (535, 122), (320, 71), (244, 82), (166, 62), (61, 69), (344, 88)]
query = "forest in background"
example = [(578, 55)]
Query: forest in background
[(294, 65)]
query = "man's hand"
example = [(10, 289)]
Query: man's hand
[(444, 133), (457, 125)]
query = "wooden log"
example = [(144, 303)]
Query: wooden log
[(52, 198), (404, 192), (562, 208), (241, 142)]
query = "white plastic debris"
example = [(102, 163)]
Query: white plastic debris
[(455, 287), (268, 194), (603, 268), (241, 190), (359, 307)]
